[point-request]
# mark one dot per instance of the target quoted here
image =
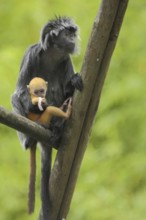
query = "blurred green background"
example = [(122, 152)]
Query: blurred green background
[(112, 181)]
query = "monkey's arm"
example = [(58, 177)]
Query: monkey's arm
[(51, 111), (21, 97), (73, 81), (27, 70)]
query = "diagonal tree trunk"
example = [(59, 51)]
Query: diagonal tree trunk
[(101, 45)]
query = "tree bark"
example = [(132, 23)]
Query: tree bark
[(24, 125), (99, 51)]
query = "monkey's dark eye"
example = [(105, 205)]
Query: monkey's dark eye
[(41, 90), (72, 29), (36, 92), (67, 33), (70, 34)]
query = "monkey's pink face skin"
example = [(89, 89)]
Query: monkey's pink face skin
[(40, 92)]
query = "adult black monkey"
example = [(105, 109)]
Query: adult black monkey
[(50, 60)]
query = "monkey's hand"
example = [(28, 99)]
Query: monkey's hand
[(77, 82), (35, 100), (69, 108), (65, 104), (42, 104)]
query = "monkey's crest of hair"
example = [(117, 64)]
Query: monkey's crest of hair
[(54, 27)]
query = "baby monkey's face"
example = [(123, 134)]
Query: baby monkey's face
[(38, 87), (40, 92)]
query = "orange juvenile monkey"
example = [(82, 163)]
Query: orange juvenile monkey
[(42, 113), (39, 110)]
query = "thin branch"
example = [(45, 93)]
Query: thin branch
[(24, 125)]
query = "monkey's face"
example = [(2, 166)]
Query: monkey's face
[(38, 87), (39, 92), (66, 40), (60, 33)]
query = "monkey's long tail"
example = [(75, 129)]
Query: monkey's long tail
[(32, 177)]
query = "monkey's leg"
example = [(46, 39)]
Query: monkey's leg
[(32, 178), (54, 111), (51, 111), (25, 140), (46, 153)]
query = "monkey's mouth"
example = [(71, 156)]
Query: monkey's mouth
[(70, 48)]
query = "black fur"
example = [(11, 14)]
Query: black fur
[(50, 60), (53, 65), (35, 109), (54, 27)]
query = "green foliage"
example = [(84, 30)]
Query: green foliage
[(112, 181)]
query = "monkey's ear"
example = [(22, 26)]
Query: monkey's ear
[(46, 83), (28, 87)]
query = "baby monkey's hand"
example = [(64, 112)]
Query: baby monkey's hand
[(41, 102), (69, 107)]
